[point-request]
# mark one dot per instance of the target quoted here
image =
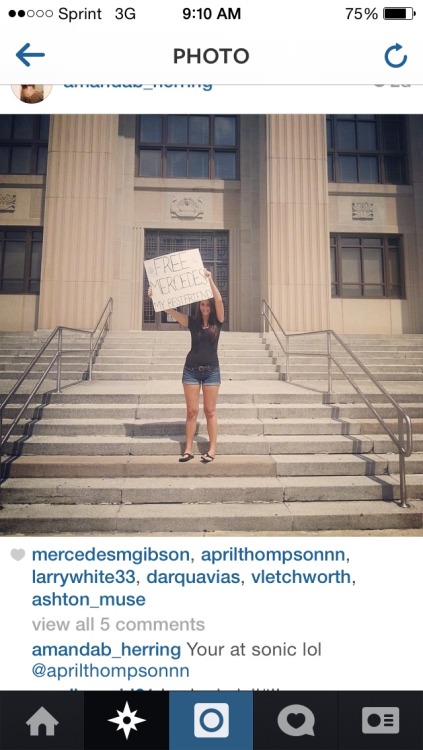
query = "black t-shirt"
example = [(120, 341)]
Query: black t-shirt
[(203, 349)]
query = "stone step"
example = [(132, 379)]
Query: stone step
[(220, 517), (403, 392), (383, 444), (226, 411), (173, 335), (359, 411), (353, 369), (373, 426), (242, 374), (138, 372), (341, 354), (172, 362), (148, 374), (229, 445), (275, 398), (109, 445), (33, 346), (16, 335), (370, 464), (39, 368), (304, 343), (383, 377), (371, 357), (319, 342), (13, 375), (170, 427), (180, 346), (197, 490), (139, 466), (131, 357), (180, 353), (225, 466), (22, 357), (370, 360), (176, 367), (172, 394)]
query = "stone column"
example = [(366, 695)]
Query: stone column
[(78, 234), (298, 271), (245, 243), (127, 253), (412, 310)]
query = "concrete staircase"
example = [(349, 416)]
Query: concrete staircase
[(393, 358), (102, 456), (18, 349), (160, 356)]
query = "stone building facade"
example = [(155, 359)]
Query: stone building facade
[(321, 216)]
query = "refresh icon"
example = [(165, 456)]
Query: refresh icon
[(389, 51)]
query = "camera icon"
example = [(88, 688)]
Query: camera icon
[(211, 720)]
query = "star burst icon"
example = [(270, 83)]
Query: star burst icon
[(127, 720)]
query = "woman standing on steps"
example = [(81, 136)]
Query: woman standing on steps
[(201, 367)]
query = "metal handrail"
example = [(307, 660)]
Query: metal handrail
[(57, 358), (404, 440), (93, 348)]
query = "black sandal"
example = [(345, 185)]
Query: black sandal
[(207, 458), (186, 457)]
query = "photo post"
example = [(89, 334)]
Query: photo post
[(211, 409)]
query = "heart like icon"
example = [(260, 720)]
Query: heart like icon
[(18, 554), (296, 720)]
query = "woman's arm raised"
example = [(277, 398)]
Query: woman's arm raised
[(220, 310)]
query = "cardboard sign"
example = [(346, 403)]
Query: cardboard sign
[(177, 279)]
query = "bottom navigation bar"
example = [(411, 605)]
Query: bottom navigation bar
[(226, 720)]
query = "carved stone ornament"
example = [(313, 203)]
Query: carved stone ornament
[(363, 211), (187, 208), (7, 203)]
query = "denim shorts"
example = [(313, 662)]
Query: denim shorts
[(201, 375)]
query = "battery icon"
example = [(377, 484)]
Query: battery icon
[(399, 14)]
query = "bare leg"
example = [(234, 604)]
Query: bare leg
[(192, 396), (210, 393)]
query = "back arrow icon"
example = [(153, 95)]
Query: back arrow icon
[(23, 54)]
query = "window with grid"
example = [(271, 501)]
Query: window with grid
[(366, 266), (23, 144), (20, 260), (192, 146), (367, 149)]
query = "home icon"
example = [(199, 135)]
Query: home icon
[(39, 719)]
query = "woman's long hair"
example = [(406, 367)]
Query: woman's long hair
[(213, 328)]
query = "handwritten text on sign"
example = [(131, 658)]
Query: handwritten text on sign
[(177, 279)]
